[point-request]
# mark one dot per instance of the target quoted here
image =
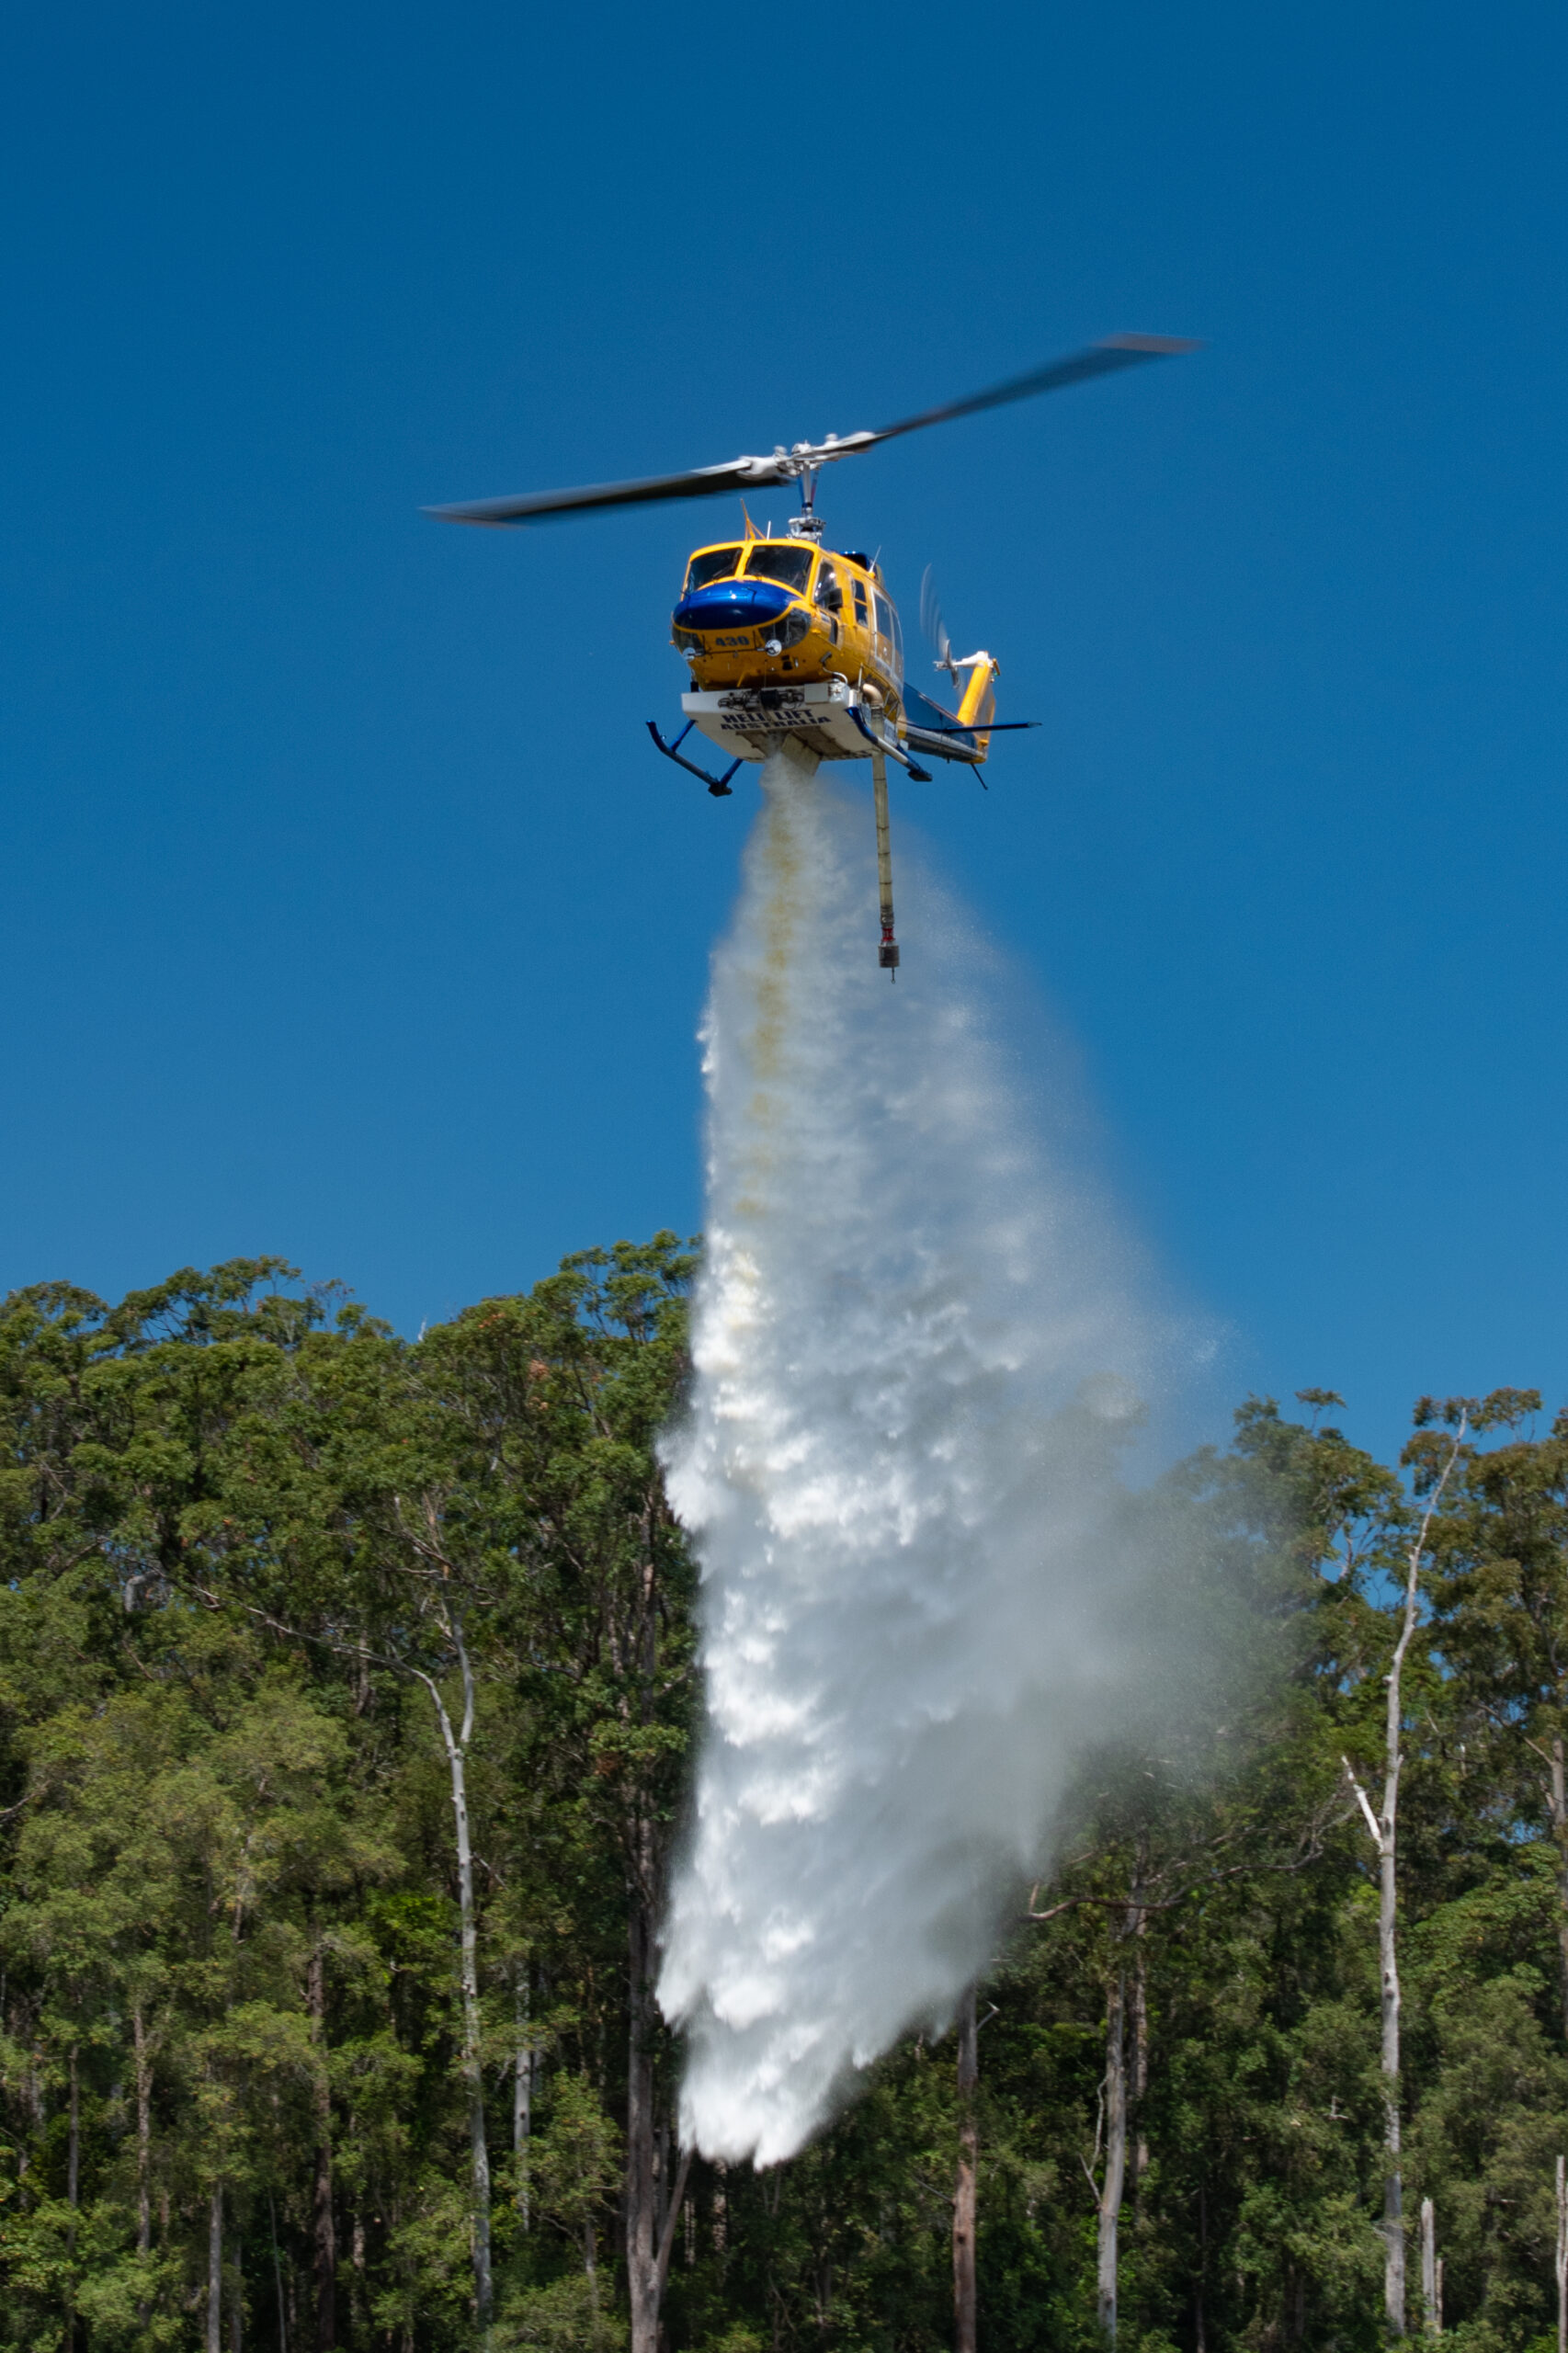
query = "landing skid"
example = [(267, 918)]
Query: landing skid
[(719, 786)]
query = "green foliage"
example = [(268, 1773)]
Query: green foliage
[(249, 1539), (574, 2163), (567, 2316)]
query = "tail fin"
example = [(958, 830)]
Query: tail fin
[(978, 705)]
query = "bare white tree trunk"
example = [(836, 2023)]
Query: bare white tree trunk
[(1118, 2097), (1383, 1826), (652, 2202), (1429, 2268), (1114, 2179), (1385, 1837), (1388, 1969), (1562, 2256), (457, 1748)]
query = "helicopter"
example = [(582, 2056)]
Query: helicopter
[(791, 641)]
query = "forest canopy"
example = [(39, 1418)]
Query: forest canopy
[(349, 1687)]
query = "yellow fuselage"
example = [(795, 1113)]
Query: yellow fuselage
[(757, 612)]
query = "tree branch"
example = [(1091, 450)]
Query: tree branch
[(1366, 1804)]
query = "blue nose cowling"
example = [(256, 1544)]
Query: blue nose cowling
[(733, 604)]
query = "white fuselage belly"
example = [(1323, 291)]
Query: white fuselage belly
[(748, 721)]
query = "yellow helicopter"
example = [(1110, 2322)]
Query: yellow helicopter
[(792, 642)]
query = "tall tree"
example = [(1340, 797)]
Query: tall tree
[(563, 1394), (1499, 1587), (1433, 1454)]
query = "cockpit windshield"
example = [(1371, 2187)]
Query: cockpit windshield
[(778, 560), (716, 563)]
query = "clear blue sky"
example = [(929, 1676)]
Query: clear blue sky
[(347, 911)]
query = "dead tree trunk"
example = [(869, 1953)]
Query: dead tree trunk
[(1114, 2104), (1429, 2318), (457, 1746), (1388, 1967), (1383, 1826), (1562, 2256), (965, 2190)]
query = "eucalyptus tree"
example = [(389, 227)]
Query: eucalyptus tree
[(1432, 1456), (563, 1394), (1499, 1593)]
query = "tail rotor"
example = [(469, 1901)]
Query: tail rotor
[(935, 629)]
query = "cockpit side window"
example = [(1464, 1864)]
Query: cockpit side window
[(829, 596), (779, 559), (862, 610), (888, 629), (715, 563)]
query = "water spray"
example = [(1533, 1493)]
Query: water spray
[(915, 1358)]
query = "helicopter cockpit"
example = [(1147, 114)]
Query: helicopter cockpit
[(781, 561), (713, 563), (804, 610)]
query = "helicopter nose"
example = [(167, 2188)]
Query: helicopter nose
[(733, 604)]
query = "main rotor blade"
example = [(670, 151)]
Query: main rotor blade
[(701, 482), (1100, 359), (764, 473)]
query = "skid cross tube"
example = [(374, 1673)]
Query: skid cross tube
[(893, 751), (719, 786)]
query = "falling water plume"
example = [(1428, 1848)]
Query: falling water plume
[(916, 1356)]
